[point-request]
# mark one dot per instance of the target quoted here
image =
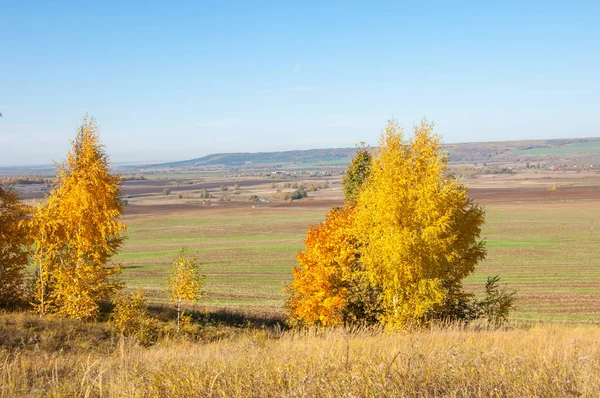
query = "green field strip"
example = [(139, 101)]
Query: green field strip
[(592, 147), (236, 221)]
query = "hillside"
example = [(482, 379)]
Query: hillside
[(510, 151), (501, 151), (573, 150), (311, 156)]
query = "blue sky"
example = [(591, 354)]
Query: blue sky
[(177, 80)]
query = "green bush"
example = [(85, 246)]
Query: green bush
[(497, 303), (494, 308)]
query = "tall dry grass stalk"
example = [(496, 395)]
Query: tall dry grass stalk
[(544, 361)]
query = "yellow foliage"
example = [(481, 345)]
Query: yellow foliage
[(417, 226), (130, 315), (399, 254), (13, 242), (78, 231), (186, 282)]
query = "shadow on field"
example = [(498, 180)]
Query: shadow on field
[(232, 318)]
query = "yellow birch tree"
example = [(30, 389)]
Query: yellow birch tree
[(186, 282), (417, 226), (48, 251), (397, 252), (78, 231)]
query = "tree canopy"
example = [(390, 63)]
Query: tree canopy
[(412, 237), (78, 230), (357, 173), (186, 281), (14, 239)]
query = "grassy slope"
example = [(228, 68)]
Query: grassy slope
[(311, 156), (548, 252), (470, 151), (574, 148), (547, 361)]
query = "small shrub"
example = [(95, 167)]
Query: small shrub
[(131, 318), (494, 308), (497, 303), (299, 194), (294, 195), (166, 191)]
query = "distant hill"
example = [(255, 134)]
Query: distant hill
[(306, 157), (459, 153), (502, 151), (556, 151)]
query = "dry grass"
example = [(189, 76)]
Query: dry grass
[(545, 361)]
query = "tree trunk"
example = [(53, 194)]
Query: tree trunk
[(42, 290), (178, 313)]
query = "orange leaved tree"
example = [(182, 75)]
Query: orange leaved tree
[(330, 285), (14, 240), (78, 230), (318, 293)]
